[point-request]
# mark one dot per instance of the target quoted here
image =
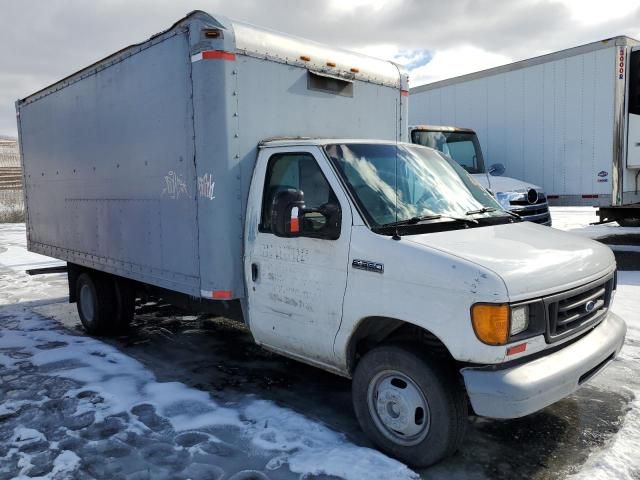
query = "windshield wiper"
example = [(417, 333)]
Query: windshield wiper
[(492, 209), (481, 210), (426, 218), (514, 215)]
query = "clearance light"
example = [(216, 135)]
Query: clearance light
[(331, 64), (305, 58), (355, 70), (491, 322)]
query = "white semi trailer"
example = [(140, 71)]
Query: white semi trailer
[(568, 121), (154, 172)]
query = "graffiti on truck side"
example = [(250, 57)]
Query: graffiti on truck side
[(175, 186), (206, 186)]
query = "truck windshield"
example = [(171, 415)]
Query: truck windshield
[(406, 183), (463, 147)]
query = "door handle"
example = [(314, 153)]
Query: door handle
[(254, 271)]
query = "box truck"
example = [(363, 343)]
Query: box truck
[(568, 121), (462, 145), (156, 172)]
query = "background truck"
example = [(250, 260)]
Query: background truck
[(463, 146), (155, 172), (568, 121)]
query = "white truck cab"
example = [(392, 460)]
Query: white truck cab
[(523, 198), (387, 263)]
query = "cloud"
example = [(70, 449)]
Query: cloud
[(414, 59), (42, 41), (451, 62)]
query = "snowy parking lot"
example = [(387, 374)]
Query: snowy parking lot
[(193, 397)]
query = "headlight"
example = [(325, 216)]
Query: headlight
[(519, 319)]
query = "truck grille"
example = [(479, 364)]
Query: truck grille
[(578, 309), (537, 212)]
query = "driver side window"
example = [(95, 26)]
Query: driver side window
[(299, 171)]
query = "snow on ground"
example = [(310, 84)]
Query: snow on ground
[(621, 459), (578, 219), (71, 405)]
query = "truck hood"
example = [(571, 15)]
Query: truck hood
[(531, 259), (504, 184)]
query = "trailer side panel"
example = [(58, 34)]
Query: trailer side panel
[(549, 123)]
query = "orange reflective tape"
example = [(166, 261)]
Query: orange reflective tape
[(222, 294), (218, 55)]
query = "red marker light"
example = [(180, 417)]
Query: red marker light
[(222, 294), (517, 349), (295, 223)]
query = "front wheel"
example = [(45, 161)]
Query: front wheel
[(410, 407)]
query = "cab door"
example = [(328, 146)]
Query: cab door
[(296, 285)]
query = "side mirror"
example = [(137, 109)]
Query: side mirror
[(286, 213), (496, 169), (330, 228)]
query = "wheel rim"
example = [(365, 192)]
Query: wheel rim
[(398, 408), (86, 303)]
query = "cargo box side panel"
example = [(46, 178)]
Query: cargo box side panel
[(109, 167), (220, 209), (277, 100), (269, 99)]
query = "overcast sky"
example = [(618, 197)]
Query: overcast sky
[(42, 41)]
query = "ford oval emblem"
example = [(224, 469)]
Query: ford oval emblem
[(589, 306), (602, 174)]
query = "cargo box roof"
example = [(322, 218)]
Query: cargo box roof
[(247, 39)]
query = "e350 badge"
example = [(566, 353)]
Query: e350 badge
[(367, 265)]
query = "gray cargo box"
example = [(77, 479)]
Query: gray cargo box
[(140, 164)]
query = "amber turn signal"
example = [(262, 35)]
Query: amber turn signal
[(491, 322)]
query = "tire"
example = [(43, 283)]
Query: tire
[(408, 378), (628, 222), (96, 303), (125, 304)]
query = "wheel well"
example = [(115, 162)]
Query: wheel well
[(374, 331)]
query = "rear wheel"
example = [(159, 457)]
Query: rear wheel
[(410, 406), (629, 222), (95, 297)]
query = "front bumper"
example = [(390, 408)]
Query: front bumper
[(518, 391)]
